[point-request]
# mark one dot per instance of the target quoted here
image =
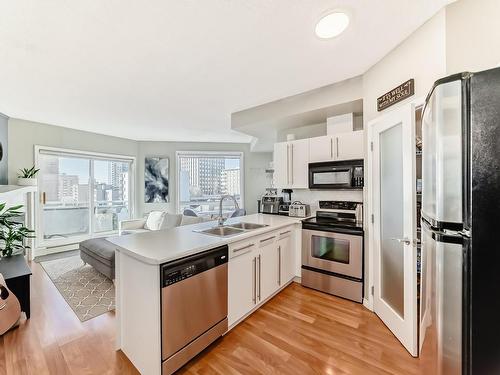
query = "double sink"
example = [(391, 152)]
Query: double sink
[(230, 229)]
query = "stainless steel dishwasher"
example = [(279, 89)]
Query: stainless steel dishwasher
[(194, 305)]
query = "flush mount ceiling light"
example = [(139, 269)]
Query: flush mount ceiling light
[(332, 25)]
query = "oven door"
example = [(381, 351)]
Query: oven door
[(333, 252)]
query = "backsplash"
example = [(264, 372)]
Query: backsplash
[(312, 197)]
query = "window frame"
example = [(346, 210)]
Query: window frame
[(42, 243), (239, 154)]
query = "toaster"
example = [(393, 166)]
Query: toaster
[(299, 209)]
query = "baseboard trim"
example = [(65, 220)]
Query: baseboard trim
[(368, 304), (53, 250)]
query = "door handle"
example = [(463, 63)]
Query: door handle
[(405, 241), (279, 265), (254, 286)]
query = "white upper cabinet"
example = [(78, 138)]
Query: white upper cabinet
[(321, 149), (342, 146), (349, 146), (291, 164)]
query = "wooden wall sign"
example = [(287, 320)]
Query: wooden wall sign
[(403, 91)]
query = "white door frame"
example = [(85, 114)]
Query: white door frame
[(368, 203), (406, 332)]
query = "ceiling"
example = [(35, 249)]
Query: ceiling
[(177, 69)]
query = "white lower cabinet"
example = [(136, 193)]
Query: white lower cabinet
[(241, 285), (268, 264), (286, 253), (257, 268)]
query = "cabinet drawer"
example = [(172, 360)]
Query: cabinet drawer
[(267, 239), (242, 247)]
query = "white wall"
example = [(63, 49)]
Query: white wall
[(421, 56), (472, 35)]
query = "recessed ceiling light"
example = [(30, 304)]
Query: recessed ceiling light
[(332, 25)]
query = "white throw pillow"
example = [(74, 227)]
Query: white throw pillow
[(155, 220)]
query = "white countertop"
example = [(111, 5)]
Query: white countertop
[(157, 247)]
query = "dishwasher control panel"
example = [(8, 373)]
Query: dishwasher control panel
[(178, 270)]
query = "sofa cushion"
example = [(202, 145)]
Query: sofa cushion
[(187, 220), (171, 221), (155, 220)]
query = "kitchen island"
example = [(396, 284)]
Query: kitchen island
[(261, 262)]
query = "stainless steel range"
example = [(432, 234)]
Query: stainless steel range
[(332, 249)]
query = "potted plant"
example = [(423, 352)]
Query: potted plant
[(27, 177), (12, 233)]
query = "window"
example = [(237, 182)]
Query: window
[(82, 194), (204, 177)]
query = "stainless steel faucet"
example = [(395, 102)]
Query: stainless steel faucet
[(221, 219)]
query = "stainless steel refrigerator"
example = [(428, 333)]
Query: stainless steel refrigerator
[(460, 259)]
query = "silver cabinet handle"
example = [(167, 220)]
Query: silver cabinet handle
[(267, 239), (259, 277), (254, 287), (243, 248), (282, 234), (331, 148), (279, 265), (337, 143), (406, 241), (288, 164), (292, 163)]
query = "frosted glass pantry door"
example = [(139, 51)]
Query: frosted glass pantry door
[(392, 158)]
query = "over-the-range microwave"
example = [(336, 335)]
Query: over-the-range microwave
[(345, 174)]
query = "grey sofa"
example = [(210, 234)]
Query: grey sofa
[(100, 254)]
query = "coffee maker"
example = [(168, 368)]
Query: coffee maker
[(284, 207)]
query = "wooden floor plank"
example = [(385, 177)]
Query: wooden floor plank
[(300, 331)]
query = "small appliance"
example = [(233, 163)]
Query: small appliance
[(346, 174), (299, 209), (287, 200), (332, 249), (270, 202)]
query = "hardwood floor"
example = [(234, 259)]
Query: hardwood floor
[(300, 331)]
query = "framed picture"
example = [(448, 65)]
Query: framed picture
[(156, 179)]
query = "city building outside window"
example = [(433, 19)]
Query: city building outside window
[(203, 177)]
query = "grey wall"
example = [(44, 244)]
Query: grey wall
[(254, 177), (24, 135)]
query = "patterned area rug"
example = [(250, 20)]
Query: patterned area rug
[(87, 292)]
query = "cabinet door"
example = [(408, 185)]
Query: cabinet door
[(287, 256), (268, 264), (299, 161), (241, 285), (321, 149), (281, 165), (349, 146)]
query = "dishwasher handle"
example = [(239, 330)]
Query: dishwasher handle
[(181, 269)]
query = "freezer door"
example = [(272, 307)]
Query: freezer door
[(442, 156), (441, 304)]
